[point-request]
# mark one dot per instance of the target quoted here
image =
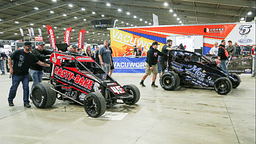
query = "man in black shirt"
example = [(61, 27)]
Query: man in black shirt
[(36, 71), (96, 56), (22, 59), (162, 59), (151, 63), (223, 56)]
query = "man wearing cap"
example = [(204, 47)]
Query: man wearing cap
[(163, 59), (36, 71), (22, 60), (73, 49), (151, 63)]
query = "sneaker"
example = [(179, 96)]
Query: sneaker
[(11, 103), (153, 85), (142, 84), (27, 105)]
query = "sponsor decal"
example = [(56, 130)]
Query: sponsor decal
[(244, 29), (195, 72), (117, 89), (74, 79), (214, 30), (245, 40), (248, 70)]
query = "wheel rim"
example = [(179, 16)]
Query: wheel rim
[(222, 86), (37, 96), (91, 106), (129, 101), (167, 81)]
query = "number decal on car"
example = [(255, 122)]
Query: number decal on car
[(117, 89)]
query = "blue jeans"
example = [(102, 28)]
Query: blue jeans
[(37, 76), (2, 66), (15, 83), (223, 65)]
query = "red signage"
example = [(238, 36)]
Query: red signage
[(38, 38)]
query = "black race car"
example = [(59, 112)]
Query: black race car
[(193, 69), (80, 79)]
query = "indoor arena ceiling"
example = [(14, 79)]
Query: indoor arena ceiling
[(78, 14)]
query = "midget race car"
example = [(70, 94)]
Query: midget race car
[(193, 69), (80, 79)]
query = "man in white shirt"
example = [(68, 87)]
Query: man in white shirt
[(214, 49)]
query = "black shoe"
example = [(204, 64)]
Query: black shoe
[(11, 103), (27, 105), (142, 84), (153, 85)]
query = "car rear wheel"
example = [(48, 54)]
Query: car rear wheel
[(235, 84), (170, 81), (42, 95), (94, 104), (223, 86), (134, 91)]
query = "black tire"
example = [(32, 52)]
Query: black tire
[(170, 81), (132, 90), (42, 95), (94, 104), (235, 84), (222, 85)]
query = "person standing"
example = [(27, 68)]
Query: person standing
[(73, 49), (151, 63), (214, 49), (112, 66), (238, 49), (163, 59), (254, 61), (88, 51), (36, 71), (231, 49), (97, 55), (105, 57), (2, 61), (223, 56), (22, 59)]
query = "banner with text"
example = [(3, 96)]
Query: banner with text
[(129, 65)]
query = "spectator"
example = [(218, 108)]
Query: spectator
[(181, 47), (88, 51), (22, 59), (7, 66), (223, 56), (163, 59), (214, 49), (97, 55), (3, 56), (231, 49), (112, 66), (105, 57), (151, 63), (73, 49), (36, 71), (137, 52), (238, 49)]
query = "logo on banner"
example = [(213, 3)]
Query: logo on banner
[(214, 30), (244, 29)]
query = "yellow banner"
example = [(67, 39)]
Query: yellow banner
[(122, 43)]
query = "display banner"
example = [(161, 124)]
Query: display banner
[(129, 65), (39, 31), (155, 20), (32, 31), (81, 39), (29, 32), (21, 32), (67, 35), (51, 37)]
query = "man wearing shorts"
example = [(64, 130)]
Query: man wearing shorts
[(151, 63), (105, 57)]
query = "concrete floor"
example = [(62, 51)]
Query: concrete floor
[(185, 116)]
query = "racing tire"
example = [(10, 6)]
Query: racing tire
[(42, 95), (170, 81), (94, 104), (222, 85), (237, 83), (132, 90)]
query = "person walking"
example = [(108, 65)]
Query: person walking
[(105, 57), (36, 71), (163, 59), (223, 56), (151, 63), (22, 59), (2, 61)]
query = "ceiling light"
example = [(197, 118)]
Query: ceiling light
[(134, 16), (83, 9), (16, 22), (102, 15), (55, 27), (98, 33), (93, 39), (178, 18), (108, 4), (146, 22), (93, 32), (73, 29), (128, 13), (54, 0), (75, 17), (93, 12), (103, 34), (64, 28), (87, 31), (171, 10), (64, 15), (122, 22), (51, 11), (1, 32), (127, 23), (119, 10), (97, 40), (108, 34), (149, 23), (180, 21), (84, 19), (249, 13), (165, 4), (70, 5), (36, 8), (182, 24), (15, 34), (57, 36), (131, 24), (71, 38), (88, 39), (141, 19), (135, 26), (101, 40), (175, 15), (0, 19), (242, 19), (44, 26)]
